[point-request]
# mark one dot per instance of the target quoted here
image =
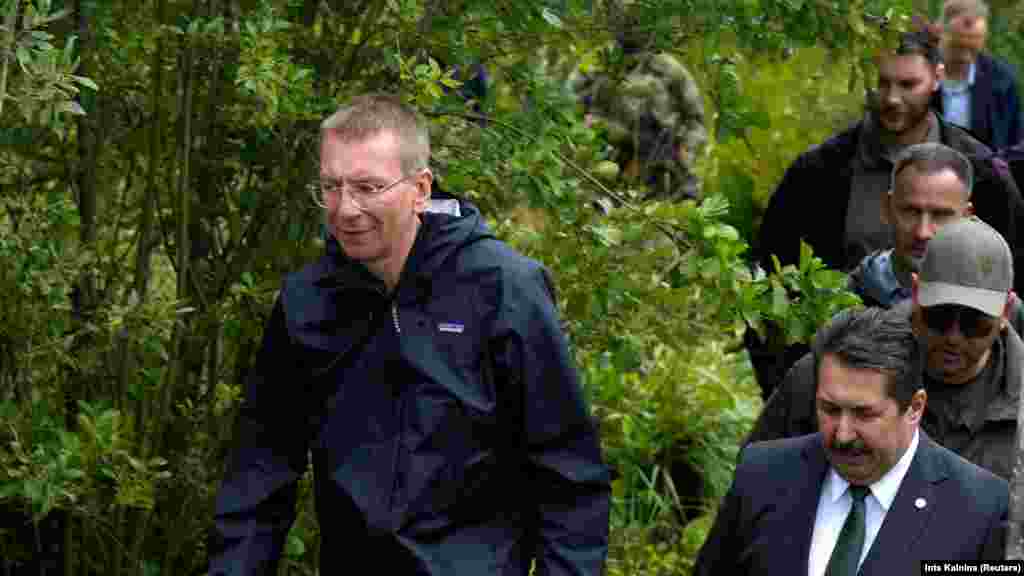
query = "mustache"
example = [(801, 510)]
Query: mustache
[(847, 448)]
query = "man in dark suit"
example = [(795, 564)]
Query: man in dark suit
[(870, 492), (979, 91)]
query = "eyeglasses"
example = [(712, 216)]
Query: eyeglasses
[(363, 193), (973, 323)]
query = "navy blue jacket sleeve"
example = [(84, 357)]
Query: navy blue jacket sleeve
[(256, 503), (570, 484), (1007, 118)]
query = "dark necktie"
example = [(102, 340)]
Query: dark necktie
[(850, 544)]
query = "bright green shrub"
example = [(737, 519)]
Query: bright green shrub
[(793, 103)]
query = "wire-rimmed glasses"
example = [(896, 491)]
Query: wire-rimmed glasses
[(362, 193)]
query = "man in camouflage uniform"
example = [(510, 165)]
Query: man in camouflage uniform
[(654, 115)]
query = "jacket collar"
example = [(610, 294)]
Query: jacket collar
[(911, 511), (346, 275), (878, 280), (965, 84), (1004, 405), (448, 225), (804, 494), (907, 518)]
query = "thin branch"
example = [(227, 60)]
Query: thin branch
[(164, 234), (665, 229)]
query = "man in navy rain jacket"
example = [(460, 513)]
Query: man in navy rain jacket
[(421, 363)]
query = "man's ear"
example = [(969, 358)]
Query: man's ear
[(940, 75), (913, 286), (424, 181), (917, 405), (969, 210)]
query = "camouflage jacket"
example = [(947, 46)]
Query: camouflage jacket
[(654, 114)]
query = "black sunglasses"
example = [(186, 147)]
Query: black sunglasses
[(973, 323)]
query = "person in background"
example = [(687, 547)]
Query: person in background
[(931, 186), (979, 91), (844, 182), (960, 305), (653, 113)]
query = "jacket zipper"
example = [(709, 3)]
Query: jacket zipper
[(394, 317)]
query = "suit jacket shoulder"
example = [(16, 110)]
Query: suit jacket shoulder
[(764, 523), (997, 107), (946, 509), (1003, 76), (760, 460)]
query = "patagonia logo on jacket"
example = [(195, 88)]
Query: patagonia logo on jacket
[(451, 327)]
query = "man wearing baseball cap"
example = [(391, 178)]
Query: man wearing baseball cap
[(974, 365), (960, 300)]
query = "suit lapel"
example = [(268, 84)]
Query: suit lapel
[(805, 493), (907, 519)]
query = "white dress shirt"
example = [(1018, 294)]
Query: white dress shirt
[(956, 99), (835, 503)]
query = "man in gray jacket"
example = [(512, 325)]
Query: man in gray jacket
[(961, 301)]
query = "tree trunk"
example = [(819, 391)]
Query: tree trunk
[(88, 149), (178, 367), (176, 371), (143, 272), (86, 188)]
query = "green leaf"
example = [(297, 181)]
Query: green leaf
[(780, 301), (551, 18), (10, 490), (295, 547), (24, 59), (87, 82), (69, 52)]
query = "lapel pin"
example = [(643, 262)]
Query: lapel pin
[(920, 503)]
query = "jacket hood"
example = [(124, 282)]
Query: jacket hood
[(448, 225)]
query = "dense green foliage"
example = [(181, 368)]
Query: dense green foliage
[(143, 241)]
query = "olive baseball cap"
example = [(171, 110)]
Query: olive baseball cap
[(967, 263)]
